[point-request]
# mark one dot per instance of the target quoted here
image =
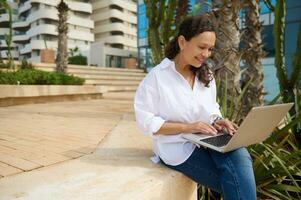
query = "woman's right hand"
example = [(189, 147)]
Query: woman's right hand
[(201, 127)]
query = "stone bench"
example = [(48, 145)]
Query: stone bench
[(119, 169), (24, 94)]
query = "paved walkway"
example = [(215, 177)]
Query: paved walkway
[(39, 135), (45, 153)]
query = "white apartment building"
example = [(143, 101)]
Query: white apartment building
[(36, 27), (4, 29), (115, 31)]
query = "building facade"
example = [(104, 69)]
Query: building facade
[(4, 29), (35, 27), (115, 32)]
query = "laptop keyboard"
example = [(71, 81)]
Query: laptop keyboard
[(218, 141)]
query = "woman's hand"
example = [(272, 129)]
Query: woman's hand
[(201, 127), (226, 126)]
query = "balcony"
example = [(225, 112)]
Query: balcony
[(52, 14), (24, 7), (20, 37), (115, 27), (80, 35), (3, 44), (4, 18), (124, 4), (26, 49), (117, 39), (74, 6), (115, 14), (49, 29), (14, 53), (20, 24), (4, 30)]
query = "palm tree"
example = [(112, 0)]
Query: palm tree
[(62, 51), (227, 55), (252, 56)]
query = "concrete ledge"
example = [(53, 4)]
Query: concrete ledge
[(85, 67), (23, 94), (119, 169), (11, 101), (121, 88), (48, 90)]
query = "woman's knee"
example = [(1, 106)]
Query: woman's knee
[(241, 157)]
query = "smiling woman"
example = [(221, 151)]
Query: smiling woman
[(178, 96), (193, 47)]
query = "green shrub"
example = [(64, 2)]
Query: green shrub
[(77, 60), (38, 77), (26, 65)]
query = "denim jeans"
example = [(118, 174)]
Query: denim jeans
[(230, 174)]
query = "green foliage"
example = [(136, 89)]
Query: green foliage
[(232, 108), (77, 60), (26, 65), (290, 90), (4, 65), (278, 31), (38, 77), (73, 51), (276, 162), (164, 20)]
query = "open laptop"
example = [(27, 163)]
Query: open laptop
[(256, 127)]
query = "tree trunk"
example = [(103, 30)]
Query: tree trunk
[(227, 56), (62, 50), (253, 56)]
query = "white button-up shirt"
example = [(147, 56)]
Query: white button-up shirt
[(165, 96)]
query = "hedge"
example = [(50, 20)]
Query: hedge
[(38, 77)]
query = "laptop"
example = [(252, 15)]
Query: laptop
[(256, 127)]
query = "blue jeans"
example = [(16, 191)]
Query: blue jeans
[(230, 174)]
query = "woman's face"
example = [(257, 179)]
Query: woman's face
[(195, 51)]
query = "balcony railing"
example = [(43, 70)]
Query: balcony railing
[(20, 33)]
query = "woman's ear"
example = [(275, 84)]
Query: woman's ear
[(181, 42)]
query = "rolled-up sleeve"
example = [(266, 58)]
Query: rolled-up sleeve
[(145, 105)]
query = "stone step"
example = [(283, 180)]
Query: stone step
[(111, 82), (121, 88), (11, 91), (30, 94), (88, 68), (108, 77), (100, 72), (111, 73)]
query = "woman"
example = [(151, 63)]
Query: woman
[(178, 96)]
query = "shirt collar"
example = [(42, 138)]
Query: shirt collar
[(166, 62)]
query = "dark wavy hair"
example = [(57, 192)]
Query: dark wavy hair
[(189, 28)]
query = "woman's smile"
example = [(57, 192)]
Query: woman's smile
[(200, 60)]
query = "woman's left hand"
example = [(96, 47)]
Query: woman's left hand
[(225, 125)]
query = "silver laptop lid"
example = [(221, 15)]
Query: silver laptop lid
[(258, 125)]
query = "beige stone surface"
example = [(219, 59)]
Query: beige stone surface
[(119, 167), (38, 135), (48, 90)]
